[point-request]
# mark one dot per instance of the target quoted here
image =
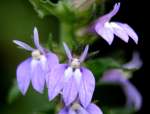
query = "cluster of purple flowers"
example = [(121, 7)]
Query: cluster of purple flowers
[(72, 81)]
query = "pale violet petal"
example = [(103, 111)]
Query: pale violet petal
[(115, 10), (38, 75), (129, 31), (77, 75), (82, 110), (84, 54), (115, 76), (56, 80), (134, 98), (36, 40), (63, 111), (67, 50), (68, 73), (70, 91), (44, 64), (23, 75), (52, 61), (107, 17), (87, 87), (105, 32), (135, 62), (23, 45), (93, 109), (70, 111), (120, 32)]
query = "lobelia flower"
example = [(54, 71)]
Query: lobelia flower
[(106, 29), (76, 108), (117, 76), (34, 68), (72, 80)]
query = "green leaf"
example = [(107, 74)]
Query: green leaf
[(99, 66), (43, 7), (14, 93)]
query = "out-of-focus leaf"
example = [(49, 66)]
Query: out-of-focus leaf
[(43, 7), (99, 66), (13, 93)]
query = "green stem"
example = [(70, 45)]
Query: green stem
[(67, 34)]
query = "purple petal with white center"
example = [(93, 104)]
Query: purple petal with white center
[(134, 98), (52, 61), (135, 63), (120, 32), (68, 73), (23, 45), (84, 54), (67, 50), (38, 75), (56, 80), (63, 111), (36, 40), (106, 33), (115, 76), (70, 91), (23, 75), (129, 31), (87, 87), (93, 109)]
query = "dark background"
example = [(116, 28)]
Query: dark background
[(17, 19)]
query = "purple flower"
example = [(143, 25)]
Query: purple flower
[(34, 68), (135, 63), (117, 76), (106, 29), (72, 80), (76, 108)]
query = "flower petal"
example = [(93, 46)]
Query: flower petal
[(106, 33), (23, 75), (83, 111), (77, 76), (87, 87), (36, 40), (68, 73), (107, 17), (56, 80), (52, 61), (70, 91), (129, 31), (67, 50), (93, 109), (71, 111), (115, 76), (38, 75), (23, 45), (84, 54), (63, 111), (119, 31), (135, 63), (134, 98)]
